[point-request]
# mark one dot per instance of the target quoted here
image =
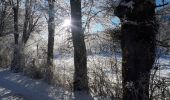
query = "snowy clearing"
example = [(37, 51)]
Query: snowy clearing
[(18, 87)]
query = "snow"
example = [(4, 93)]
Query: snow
[(98, 61), (18, 87), (164, 64)]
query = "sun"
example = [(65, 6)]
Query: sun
[(67, 22)]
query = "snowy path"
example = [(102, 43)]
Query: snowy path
[(17, 87)]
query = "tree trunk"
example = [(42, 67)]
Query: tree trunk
[(2, 17), (28, 25), (51, 31), (16, 58), (80, 57), (138, 47)]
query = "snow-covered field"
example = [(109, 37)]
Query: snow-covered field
[(19, 87), (16, 86), (106, 62), (164, 66)]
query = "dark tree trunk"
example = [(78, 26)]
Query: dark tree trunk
[(16, 62), (80, 57), (3, 16), (138, 47), (27, 29), (27, 22), (51, 31)]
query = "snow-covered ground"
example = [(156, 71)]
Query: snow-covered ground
[(164, 65), (105, 61), (18, 87)]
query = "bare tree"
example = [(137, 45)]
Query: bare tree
[(51, 31), (29, 26), (2, 16), (80, 57), (15, 62), (30, 23)]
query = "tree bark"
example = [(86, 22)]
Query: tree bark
[(138, 36), (28, 25), (3, 16), (51, 31), (80, 56), (16, 58)]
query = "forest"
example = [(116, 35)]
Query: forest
[(84, 49)]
